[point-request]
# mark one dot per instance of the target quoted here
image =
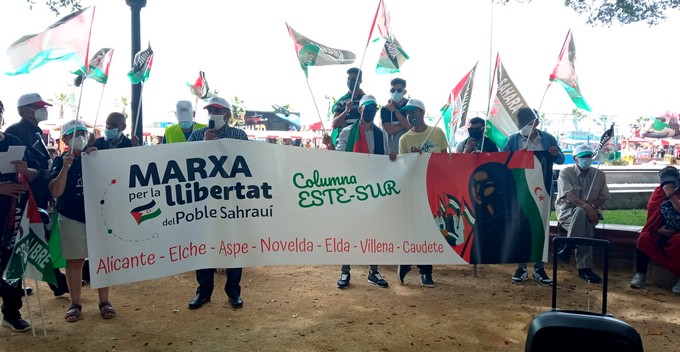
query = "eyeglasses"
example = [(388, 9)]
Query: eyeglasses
[(398, 90)]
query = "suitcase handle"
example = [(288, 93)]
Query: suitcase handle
[(582, 241)]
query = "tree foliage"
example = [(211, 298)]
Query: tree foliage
[(608, 12), (58, 5)]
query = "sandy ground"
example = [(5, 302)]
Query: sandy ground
[(299, 308)]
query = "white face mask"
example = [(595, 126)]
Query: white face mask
[(397, 97), (526, 130), (219, 121), (79, 143), (40, 114)]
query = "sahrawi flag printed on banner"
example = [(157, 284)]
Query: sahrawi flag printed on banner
[(67, 39), (505, 101), (456, 109), (98, 69), (393, 55), (141, 66), (30, 255), (200, 88), (607, 146), (565, 73), (311, 53), (145, 212)]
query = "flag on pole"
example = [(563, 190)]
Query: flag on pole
[(98, 68), (456, 109), (141, 66), (200, 88), (312, 53), (505, 101), (607, 147), (66, 39), (565, 73), (393, 55), (30, 256)]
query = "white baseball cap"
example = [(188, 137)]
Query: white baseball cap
[(582, 150), (218, 102), (366, 100), (412, 104), (32, 99), (184, 111), (72, 126)]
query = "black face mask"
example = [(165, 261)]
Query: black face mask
[(476, 133), (369, 114), (351, 83)]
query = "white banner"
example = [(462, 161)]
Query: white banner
[(161, 210)]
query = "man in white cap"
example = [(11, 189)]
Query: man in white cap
[(220, 112), (581, 192), (421, 138), (181, 131), (363, 136)]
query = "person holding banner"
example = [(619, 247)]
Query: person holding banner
[(10, 190), (113, 134), (474, 142), (218, 128), (421, 138), (532, 139), (393, 121), (181, 131), (346, 108), (581, 192), (370, 139), (67, 186)]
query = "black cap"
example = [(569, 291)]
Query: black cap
[(669, 174)]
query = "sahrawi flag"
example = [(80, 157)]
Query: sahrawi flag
[(67, 39), (393, 55), (505, 101), (145, 212), (30, 256), (607, 146), (456, 109), (565, 73), (200, 88), (98, 69), (312, 53), (141, 66)]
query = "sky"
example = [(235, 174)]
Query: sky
[(245, 51)]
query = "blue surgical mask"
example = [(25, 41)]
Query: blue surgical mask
[(584, 163), (185, 125), (111, 134), (397, 97)]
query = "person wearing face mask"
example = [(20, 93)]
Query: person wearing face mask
[(531, 138), (581, 192), (67, 186), (393, 121), (474, 142), (363, 137), (181, 131), (346, 108), (113, 134), (421, 138), (220, 112)]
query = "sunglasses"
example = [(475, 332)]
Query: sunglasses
[(399, 90)]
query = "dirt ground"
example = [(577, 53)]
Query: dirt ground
[(299, 308)]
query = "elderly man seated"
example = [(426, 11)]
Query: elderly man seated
[(581, 192), (660, 237)]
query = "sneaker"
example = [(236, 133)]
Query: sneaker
[(676, 287), (402, 270), (426, 280), (638, 280), (377, 279), (520, 276), (343, 282), (16, 324), (541, 277)]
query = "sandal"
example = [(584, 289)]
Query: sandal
[(106, 310), (73, 313)]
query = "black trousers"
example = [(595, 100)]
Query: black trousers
[(206, 282), (11, 300)]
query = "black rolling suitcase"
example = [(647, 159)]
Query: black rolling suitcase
[(569, 330)]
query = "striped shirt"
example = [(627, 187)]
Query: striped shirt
[(225, 132)]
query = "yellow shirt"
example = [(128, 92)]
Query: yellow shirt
[(411, 141)]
